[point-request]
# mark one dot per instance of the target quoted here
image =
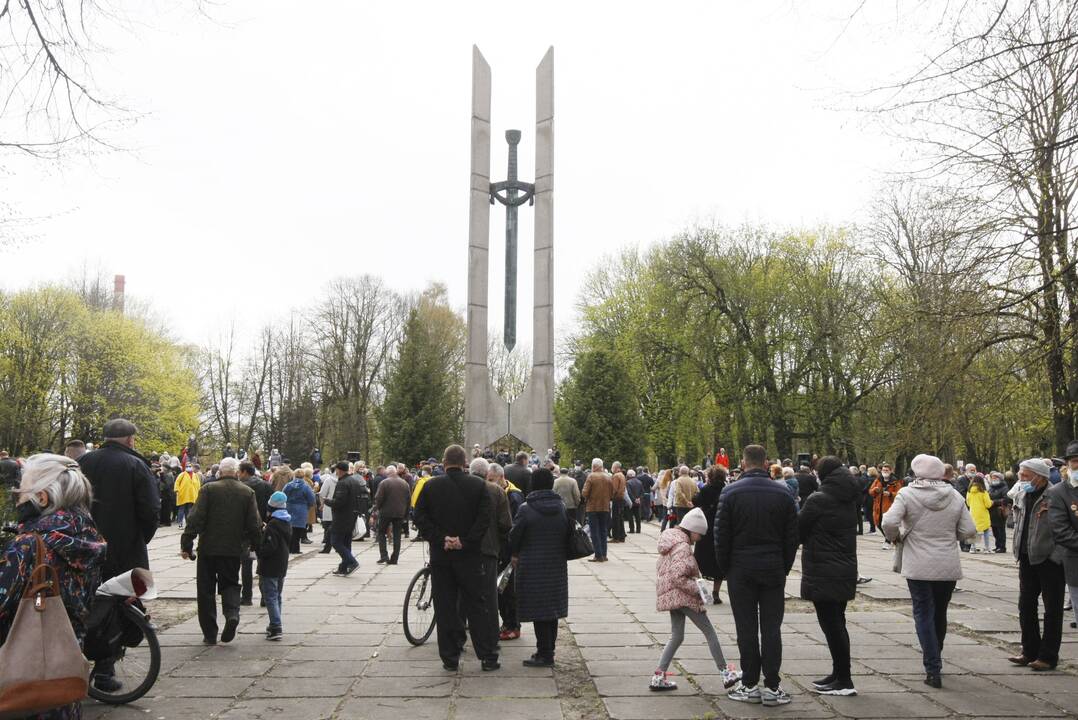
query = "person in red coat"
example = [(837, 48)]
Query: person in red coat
[(721, 458)]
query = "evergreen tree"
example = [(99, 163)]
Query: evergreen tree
[(597, 414), (421, 413)]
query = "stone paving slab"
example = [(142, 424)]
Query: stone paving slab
[(344, 655)]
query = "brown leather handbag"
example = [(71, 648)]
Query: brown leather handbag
[(41, 663)]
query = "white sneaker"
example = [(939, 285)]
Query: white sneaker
[(730, 677), (659, 681), (771, 698), (745, 694)]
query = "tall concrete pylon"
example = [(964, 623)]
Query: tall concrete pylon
[(488, 416)]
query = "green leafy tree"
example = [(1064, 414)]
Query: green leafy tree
[(597, 412)]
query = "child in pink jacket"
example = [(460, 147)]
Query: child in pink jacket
[(676, 591)]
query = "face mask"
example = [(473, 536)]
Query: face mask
[(1027, 487), (27, 511), (1074, 478), (886, 475)]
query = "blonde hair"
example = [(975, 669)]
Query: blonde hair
[(60, 478), (281, 476), (665, 479)]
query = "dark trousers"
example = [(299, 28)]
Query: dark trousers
[(999, 529), (758, 601), (598, 523), (633, 515), (458, 589), (342, 543), (930, 599), (580, 514), (216, 574), (327, 529), (861, 519), (168, 507), (247, 577), (490, 594), (617, 520), (679, 515), (645, 507), (832, 619), (507, 606), (867, 509), (383, 525), (1041, 581), (293, 543), (546, 635)]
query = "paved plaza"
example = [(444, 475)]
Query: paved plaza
[(344, 654)]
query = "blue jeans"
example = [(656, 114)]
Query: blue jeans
[(272, 589), (342, 543), (930, 600), (599, 526), (182, 512)]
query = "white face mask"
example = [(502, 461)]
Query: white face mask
[(1072, 478), (886, 474)]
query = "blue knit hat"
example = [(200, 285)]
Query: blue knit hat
[(278, 500)]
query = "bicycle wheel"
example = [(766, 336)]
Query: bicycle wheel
[(136, 667), (419, 608)]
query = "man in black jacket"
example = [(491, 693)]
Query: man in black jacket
[(453, 513), (756, 542), (519, 474), (262, 489), (126, 502), (351, 498)]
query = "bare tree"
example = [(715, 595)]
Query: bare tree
[(509, 371), (354, 328), (996, 113)]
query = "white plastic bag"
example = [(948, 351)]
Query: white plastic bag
[(361, 528), (705, 591)]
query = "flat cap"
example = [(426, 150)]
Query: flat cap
[(119, 428)]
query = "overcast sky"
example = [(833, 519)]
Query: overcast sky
[(281, 144)]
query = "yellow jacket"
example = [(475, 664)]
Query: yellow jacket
[(418, 489), (187, 486), (978, 502)]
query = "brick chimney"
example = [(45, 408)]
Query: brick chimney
[(118, 293)]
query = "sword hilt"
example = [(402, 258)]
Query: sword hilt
[(513, 138)]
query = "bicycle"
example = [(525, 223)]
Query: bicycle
[(120, 632), (419, 617)]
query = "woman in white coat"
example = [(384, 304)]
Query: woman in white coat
[(930, 518)]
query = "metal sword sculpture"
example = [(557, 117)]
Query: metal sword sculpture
[(510, 187)]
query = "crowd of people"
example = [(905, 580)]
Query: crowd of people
[(498, 540)]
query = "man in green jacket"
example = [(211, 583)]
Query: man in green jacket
[(226, 520)]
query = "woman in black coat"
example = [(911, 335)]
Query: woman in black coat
[(827, 525), (708, 501), (537, 545)]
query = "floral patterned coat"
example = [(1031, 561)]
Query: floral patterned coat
[(75, 548), (675, 585)]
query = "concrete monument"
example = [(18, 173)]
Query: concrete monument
[(488, 416)]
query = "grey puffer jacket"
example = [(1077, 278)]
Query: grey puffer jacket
[(932, 517)]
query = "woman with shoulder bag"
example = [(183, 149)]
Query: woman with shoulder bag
[(929, 518), (537, 545), (53, 504)]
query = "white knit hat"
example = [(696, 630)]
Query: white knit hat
[(694, 521), (928, 467), (1038, 466)]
